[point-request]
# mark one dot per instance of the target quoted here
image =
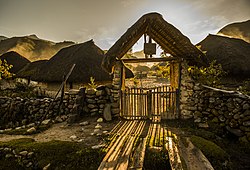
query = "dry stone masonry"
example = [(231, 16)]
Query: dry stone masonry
[(18, 112), (228, 109)]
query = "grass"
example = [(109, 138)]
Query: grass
[(60, 154), (156, 160), (218, 157)]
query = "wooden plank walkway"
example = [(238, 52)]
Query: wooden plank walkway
[(129, 140)]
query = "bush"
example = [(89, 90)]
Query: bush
[(210, 75)]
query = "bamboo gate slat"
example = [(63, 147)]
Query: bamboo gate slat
[(149, 103)]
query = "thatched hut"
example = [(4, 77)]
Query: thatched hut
[(16, 60), (233, 54), (87, 57)]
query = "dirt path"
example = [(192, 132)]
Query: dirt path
[(64, 132)]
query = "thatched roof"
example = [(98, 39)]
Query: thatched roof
[(166, 35), (239, 30), (14, 59), (32, 70), (87, 57), (233, 54)]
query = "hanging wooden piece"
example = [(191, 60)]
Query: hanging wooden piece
[(149, 48)]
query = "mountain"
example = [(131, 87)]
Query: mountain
[(233, 54), (87, 57), (32, 47), (2, 37), (16, 60), (239, 30)]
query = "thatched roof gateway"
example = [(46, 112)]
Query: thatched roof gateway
[(87, 57), (166, 35)]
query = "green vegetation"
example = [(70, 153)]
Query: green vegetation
[(245, 88), (4, 70), (210, 75), (218, 157), (163, 71), (92, 83), (59, 154), (156, 160)]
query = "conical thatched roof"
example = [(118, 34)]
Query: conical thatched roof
[(233, 54), (87, 57), (32, 70), (14, 59), (166, 35)]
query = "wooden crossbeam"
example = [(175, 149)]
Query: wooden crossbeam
[(144, 60)]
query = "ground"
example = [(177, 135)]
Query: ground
[(63, 132)]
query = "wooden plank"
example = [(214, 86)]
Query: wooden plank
[(143, 60)]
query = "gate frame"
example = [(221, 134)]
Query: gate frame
[(120, 70)]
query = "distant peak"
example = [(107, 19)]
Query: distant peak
[(33, 36)]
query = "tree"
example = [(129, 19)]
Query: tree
[(4, 70)]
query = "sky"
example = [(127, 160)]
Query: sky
[(106, 20)]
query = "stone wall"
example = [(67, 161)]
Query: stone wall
[(228, 109), (17, 112)]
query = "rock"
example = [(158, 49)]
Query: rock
[(98, 146), (215, 120), (91, 101), (30, 154), (97, 131), (29, 164), (107, 112), (90, 91), (198, 120), (105, 132), (23, 153), (73, 137), (46, 167), (98, 126), (246, 106), (9, 155), (92, 106), (1, 131), (46, 122), (236, 132), (100, 93), (222, 118), (58, 119), (72, 118), (84, 123), (203, 125), (31, 130), (247, 123), (18, 128), (100, 120), (31, 125), (236, 116)]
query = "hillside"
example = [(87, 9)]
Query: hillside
[(233, 54), (16, 60), (239, 30), (32, 47), (2, 37)]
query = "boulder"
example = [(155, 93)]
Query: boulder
[(107, 112), (31, 130), (100, 120)]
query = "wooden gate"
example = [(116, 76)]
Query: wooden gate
[(149, 103)]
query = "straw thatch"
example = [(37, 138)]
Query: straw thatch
[(233, 54), (14, 59), (166, 35), (87, 57), (32, 70)]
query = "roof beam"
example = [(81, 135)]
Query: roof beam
[(145, 60)]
